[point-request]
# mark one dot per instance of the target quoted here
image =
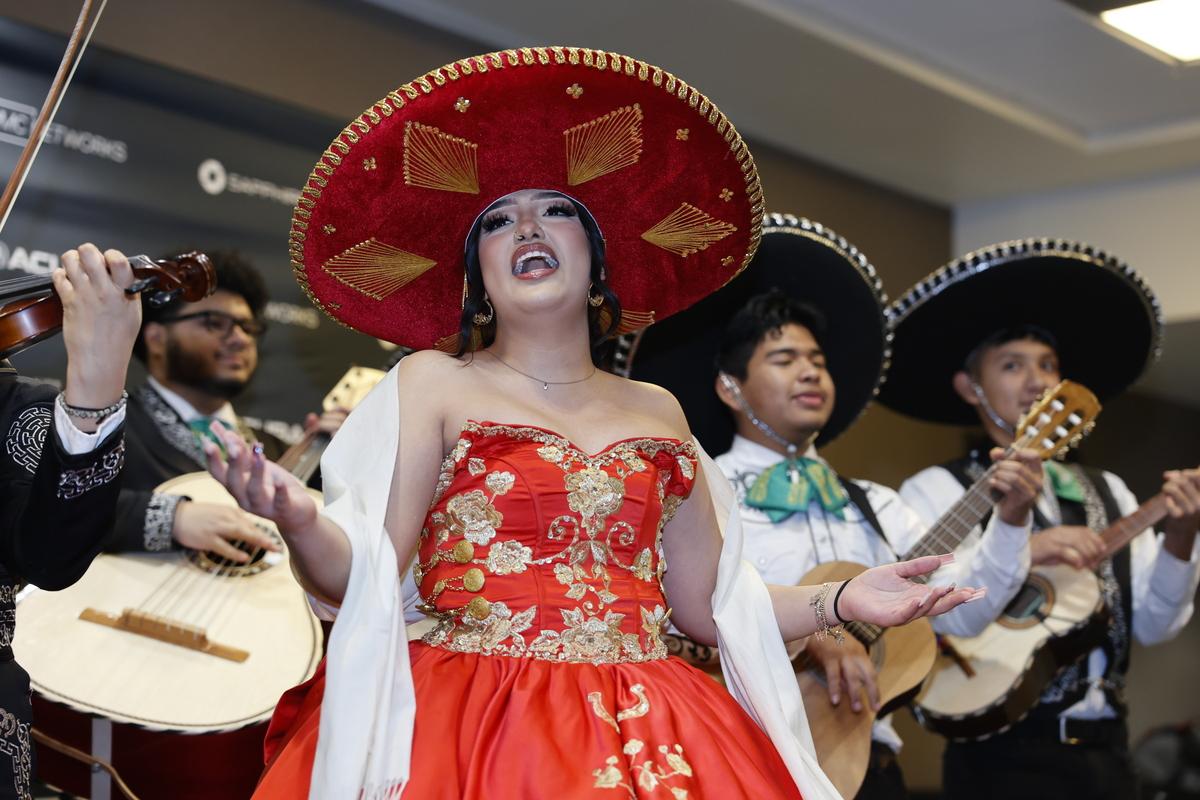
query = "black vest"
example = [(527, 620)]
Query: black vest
[(1070, 684)]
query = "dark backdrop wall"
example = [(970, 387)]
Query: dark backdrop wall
[(149, 160)]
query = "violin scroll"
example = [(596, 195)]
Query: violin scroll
[(189, 276)]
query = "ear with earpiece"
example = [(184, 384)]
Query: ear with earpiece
[(728, 390), (967, 389)]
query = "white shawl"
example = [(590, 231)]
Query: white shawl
[(365, 739)]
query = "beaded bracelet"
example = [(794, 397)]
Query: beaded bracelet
[(98, 414), (823, 627)]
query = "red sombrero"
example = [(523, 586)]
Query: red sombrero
[(377, 235)]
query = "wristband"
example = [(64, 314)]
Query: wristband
[(836, 597)]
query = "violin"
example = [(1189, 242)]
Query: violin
[(31, 310)]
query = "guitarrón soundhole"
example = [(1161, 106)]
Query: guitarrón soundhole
[(1031, 605), (259, 561)]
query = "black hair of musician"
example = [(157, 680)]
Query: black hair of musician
[(1014, 333), (764, 315), (235, 274), (603, 321)]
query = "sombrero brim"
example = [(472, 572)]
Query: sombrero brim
[(377, 234), (1106, 320), (810, 263)]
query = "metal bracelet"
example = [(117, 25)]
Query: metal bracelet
[(98, 414), (823, 627)]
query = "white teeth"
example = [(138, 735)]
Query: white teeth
[(550, 260)]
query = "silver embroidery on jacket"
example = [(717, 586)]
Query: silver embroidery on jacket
[(74, 482), (14, 743), (8, 614), (159, 520), (27, 436), (173, 429), (1073, 679)]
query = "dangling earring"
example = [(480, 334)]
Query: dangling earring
[(594, 300), (481, 318)]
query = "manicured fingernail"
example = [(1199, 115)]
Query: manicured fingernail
[(947, 558), (258, 450)]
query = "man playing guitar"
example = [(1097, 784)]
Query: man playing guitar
[(1013, 338), (792, 376), (199, 356)]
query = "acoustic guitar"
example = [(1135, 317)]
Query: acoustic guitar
[(904, 655), (986, 684), (176, 643)]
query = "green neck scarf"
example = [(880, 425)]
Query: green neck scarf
[(792, 484), (1064, 483)]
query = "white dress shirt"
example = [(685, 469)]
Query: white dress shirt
[(1163, 586), (785, 551), (75, 441)]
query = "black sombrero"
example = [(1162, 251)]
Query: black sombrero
[(1107, 322), (806, 261)]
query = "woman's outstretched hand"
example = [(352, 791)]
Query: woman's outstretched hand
[(887, 595), (260, 486)]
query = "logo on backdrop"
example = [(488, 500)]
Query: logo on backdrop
[(215, 179), (24, 259), (16, 119)]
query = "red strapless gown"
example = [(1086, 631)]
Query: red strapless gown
[(546, 676)]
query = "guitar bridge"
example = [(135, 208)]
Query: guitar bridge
[(164, 629)]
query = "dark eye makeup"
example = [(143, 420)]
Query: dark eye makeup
[(499, 218)]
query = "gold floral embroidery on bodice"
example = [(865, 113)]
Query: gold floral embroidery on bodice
[(535, 548)]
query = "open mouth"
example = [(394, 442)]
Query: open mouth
[(532, 261)]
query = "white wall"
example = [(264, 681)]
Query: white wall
[(1153, 224)]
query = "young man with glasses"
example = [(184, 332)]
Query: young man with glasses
[(198, 358)]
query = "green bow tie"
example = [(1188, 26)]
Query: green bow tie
[(789, 487), (1064, 483)]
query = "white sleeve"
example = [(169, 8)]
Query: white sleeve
[(75, 441), (1163, 585), (996, 559)]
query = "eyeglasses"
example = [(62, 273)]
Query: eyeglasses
[(221, 324)]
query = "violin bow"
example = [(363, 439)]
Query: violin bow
[(80, 36)]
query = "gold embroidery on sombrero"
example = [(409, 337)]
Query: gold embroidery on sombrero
[(632, 320), (452, 78), (377, 269), (604, 145), (437, 160), (687, 230)]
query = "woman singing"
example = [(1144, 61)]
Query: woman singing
[(556, 518)]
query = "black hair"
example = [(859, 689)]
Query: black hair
[(603, 321), (235, 274), (764, 314), (1015, 333)]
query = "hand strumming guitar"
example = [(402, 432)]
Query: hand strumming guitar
[(1074, 545), (849, 671)]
